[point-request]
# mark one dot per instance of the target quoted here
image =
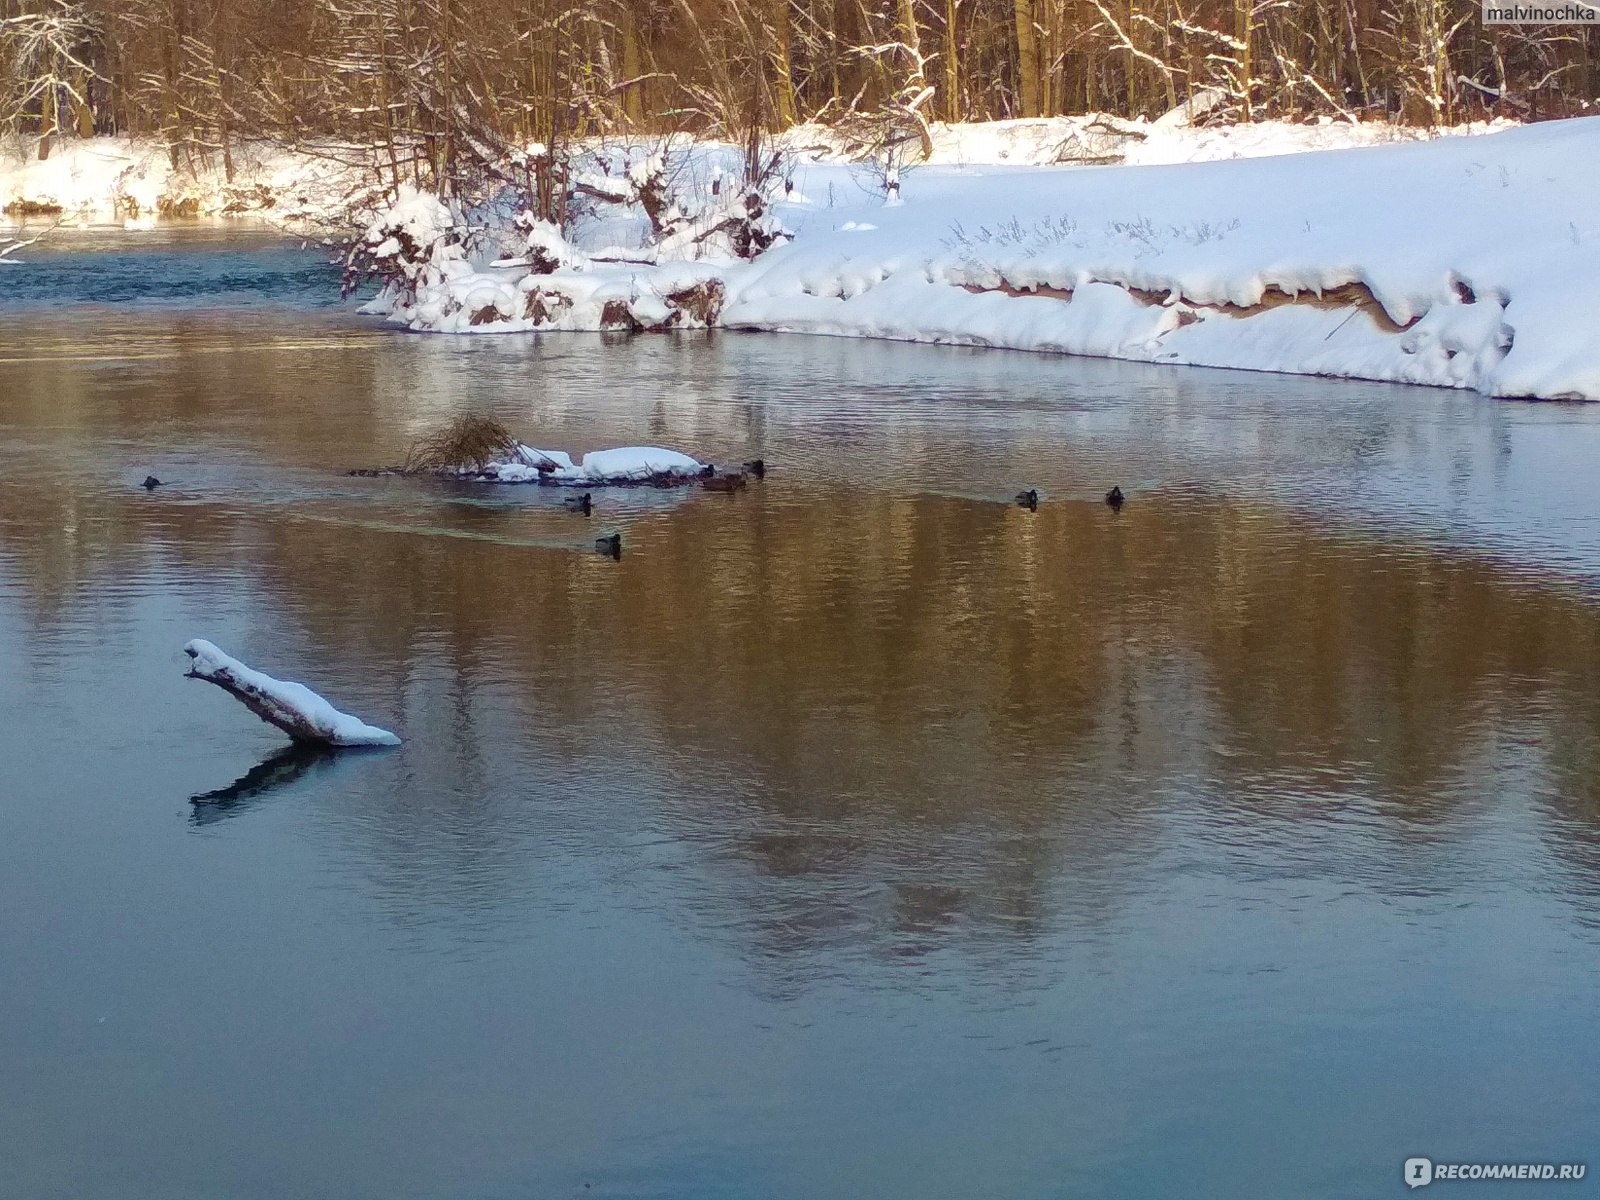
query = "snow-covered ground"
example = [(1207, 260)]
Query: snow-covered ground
[(1468, 262), (107, 180), (1326, 249), (1461, 262), (114, 181)]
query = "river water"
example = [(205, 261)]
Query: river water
[(860, 835)]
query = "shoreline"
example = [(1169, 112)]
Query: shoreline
[(1469, 261)]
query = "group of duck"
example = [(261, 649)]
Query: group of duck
[(610, 544), (1030, 499)]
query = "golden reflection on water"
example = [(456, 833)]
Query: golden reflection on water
[(877, 683), (1001, 854)]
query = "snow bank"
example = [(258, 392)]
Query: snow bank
[(117, 181), (1461, 262), (1465, 262), (1458, 261), (291, 706)]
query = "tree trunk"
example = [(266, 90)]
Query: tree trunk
[(952, 65), (1027, 60), (1244, 32), (782, 64), (82, 109), (632, 98)]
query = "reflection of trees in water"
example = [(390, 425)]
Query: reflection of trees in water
[(909, 724), (912, 723)]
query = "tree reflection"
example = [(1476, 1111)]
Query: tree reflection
[(882, 720)]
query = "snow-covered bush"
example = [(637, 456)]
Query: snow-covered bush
[(414, 243), (546, 251)]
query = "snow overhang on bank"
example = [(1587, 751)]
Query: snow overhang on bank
[(1467, 262), (1462, 262)]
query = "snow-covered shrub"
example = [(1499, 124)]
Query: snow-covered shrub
[(546, 250), (653, 194), (413, 244), (736, 225)]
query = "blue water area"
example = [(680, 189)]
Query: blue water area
[(222, 266)]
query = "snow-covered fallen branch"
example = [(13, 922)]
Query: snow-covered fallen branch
[(292, 707), (9, 245)]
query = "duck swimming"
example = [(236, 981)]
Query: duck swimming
[(1029, 500), (1114, 498), (610, 546), (724, 483), (583, 503), (151, 483), (757, 467)]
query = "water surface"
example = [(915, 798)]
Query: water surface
[(858, 835)]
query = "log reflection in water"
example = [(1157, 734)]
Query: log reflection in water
[(275, 772)]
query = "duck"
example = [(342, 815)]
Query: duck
[(151, 483), (756, 467), (610, 545), (583, 503), (1115, 498), (1029, 500), (724, 483)]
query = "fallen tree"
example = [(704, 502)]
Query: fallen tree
[(294, 708)]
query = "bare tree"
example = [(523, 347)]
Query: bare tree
[(45, 50)]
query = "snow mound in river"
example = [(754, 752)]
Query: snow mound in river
[(624, 464)]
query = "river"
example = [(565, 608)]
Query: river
[(860, 834)]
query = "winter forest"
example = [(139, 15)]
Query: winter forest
[(449, 87)]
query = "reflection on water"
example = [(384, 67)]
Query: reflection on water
[(861, 834), (278, 769)]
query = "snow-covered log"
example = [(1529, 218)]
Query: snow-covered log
[(292, 707), (624, 464)]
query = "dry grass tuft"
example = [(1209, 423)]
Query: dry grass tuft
[(468, 443)]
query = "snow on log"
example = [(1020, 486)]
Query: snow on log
[(292, 707), (624, 464)]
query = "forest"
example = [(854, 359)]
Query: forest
[(446, 88)]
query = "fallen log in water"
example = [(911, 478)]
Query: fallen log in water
[(292, 707)]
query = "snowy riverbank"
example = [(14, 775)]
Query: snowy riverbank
[(113, 181), (1467, 262), (1459, 261)]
